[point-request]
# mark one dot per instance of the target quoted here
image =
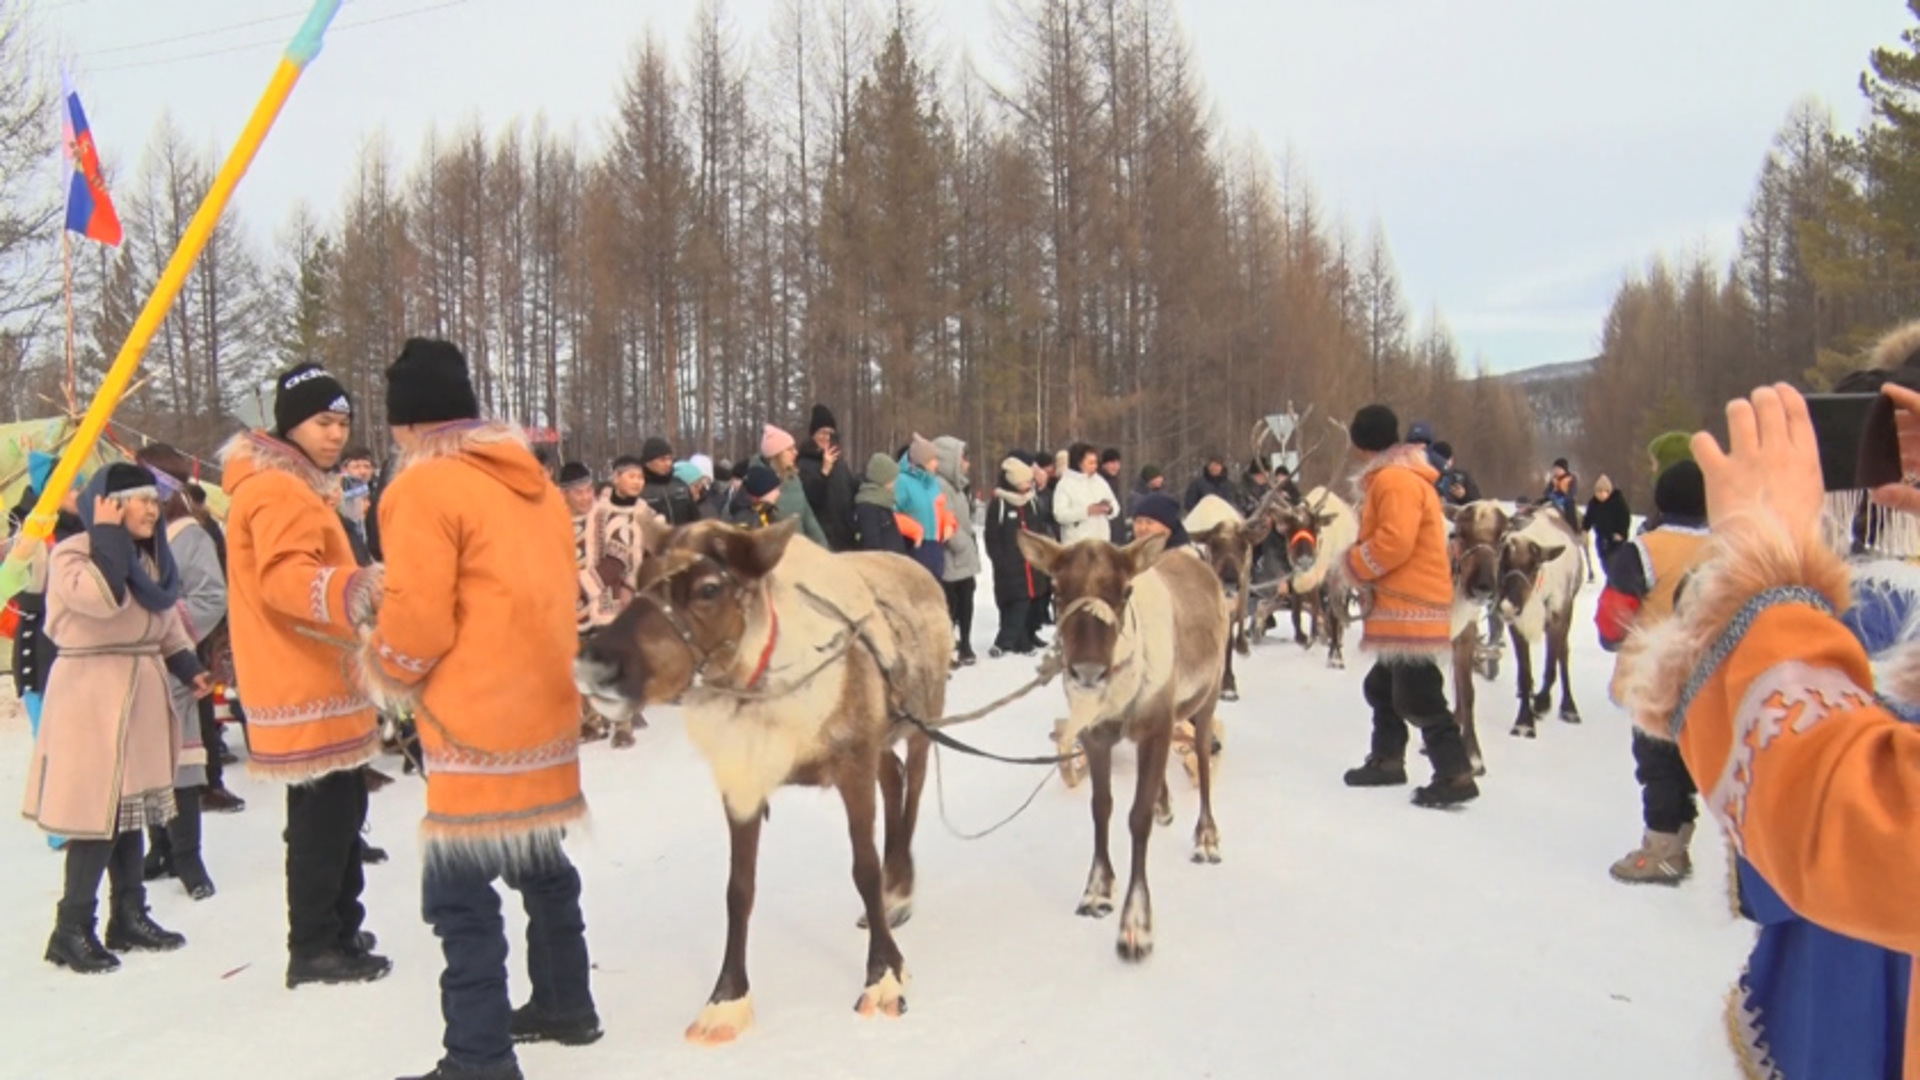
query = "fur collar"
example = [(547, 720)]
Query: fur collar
[(1405, 456), (460, 437), (1013, 498), (257, 451)]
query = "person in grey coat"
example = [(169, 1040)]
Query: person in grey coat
[(963, 547), (174, 850)]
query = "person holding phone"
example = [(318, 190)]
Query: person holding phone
[(1774, 702), (1083, 504)]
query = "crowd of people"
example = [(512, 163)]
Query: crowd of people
[(359, 610)]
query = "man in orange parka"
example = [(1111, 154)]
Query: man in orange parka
[(293, 583), (1772, 699), (478, 632), (1400, 559)]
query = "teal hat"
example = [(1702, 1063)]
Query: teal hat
[(688, 473)]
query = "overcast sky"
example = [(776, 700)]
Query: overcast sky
[(1521, 155)]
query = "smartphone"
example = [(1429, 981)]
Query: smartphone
[(1858, 441)]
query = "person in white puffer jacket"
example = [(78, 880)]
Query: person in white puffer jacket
[(1083, 504)]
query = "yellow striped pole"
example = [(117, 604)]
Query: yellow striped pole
[(39, 524)]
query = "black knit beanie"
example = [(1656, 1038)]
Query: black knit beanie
[(1374, 429), (305, 392), (822, 418), (1109, 456), (1681, 491), (655, 447), (429, 385)]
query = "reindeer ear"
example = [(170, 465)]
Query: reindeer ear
[(1041, 551), (1549, 554), (1143, 553), (1451, 511), (1209, 537), (752, 554)]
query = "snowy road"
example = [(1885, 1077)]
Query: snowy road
[(1347, 934)]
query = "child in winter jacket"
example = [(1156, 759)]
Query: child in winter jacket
[(1015, 584), (917, 495), (877, 525), (961, 555), (1642, 579)]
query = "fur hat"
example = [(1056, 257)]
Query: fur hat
[(882, 470), (655, 448), (822, 418), (1898, 348), (574, 474), (429, 384), (1681, 491), (1374, 429), (761, 482), (1670, 449), (1017, 472), (775, 441), (304, 392)]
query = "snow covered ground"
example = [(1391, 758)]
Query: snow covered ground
[(1347, 934)]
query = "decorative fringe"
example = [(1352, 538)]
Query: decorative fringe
[(502, 844), (308, 770), (1853, 524), (389, 695), (1743, 1033)]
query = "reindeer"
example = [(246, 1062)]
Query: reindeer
[(1229, 542), (1139, 633), (1479, 531), (795, 667), (1540, 577), (1318, 534)]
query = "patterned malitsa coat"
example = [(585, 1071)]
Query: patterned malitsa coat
[(294, 593), (609, 545), (108, 747)]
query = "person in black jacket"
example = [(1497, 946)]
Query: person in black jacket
[(1212, 480), (1609, 520), (663, 493), (876, 525), (1015, 582), (1041, 521), (1119, 525), (828, 480), (1456, 484)]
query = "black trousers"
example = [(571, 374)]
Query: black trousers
[(214, 741), (324, 874), (1414, 693), (90, 860), (1016, 632), (459, 901), (960, 608), (1666, 788)]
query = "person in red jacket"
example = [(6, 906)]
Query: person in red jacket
[(1772, 700)]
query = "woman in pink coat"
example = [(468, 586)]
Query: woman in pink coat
[(103, 764)]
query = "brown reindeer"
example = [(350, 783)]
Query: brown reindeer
[(1479, 530), (795, 667), (1541, 571), (1139, 633), (1228, 541), (1318, 533)]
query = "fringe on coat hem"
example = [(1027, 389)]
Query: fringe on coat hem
[(308, 770), (502, 843), (1744, 559)]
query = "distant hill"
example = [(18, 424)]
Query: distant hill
[(1554, 391)]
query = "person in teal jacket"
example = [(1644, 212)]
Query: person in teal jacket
[(917, 495)]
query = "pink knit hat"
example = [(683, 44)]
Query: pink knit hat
[(776, 441)]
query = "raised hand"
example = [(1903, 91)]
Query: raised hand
[(108, 511), (1771, 468)]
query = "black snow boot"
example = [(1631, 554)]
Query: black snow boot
[(131, 929), (337, 968), (183, 838), (1378, 772), (447, 1070), (1447, 791), (73, 944), (159, 861), (532, 1026)]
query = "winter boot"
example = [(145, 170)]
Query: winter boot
[(1378, 772), (183, 837), (593, 726), (1447, 791), (532, 1026), (132, 929), (218, 800), (447, 1070), (1661, 859), (377, 780), (159, 861), (623, 735), (73, 944), (372, 856), (337, 968)]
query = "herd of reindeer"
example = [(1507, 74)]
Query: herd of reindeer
[(794, 666)]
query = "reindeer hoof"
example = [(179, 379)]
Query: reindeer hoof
[(1163, 816), (1569, 714), (1206, 851), (1479, 768), (1542, 705), (1094, 907), (1525, 730), (721, 1022), (888, 997), (898, 914), (1135, 943), (1228, 693), (1337, 663)]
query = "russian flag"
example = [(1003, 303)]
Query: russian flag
[(89, 207)]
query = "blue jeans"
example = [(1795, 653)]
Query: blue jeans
[(460, 903)]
